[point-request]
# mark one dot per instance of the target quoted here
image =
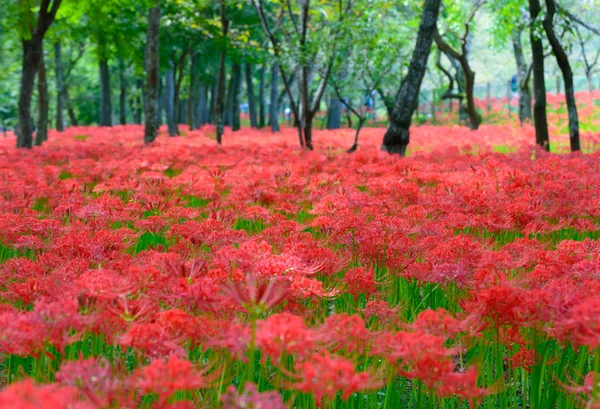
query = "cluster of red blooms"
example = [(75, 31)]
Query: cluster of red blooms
[(166, 267)]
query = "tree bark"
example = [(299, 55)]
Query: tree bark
[(261, 97), (32, 53), (523, 74), (60, 121), (152, 111), (105, 94), (334, 120), (123, 93), (251, 99), (41, 133), (235, 99), (70, 110), (137, 112), (170, 100), (201, 105), (220, 100), (210, 115), (397, 136), (563, 62), (273, 109), (542, 137)]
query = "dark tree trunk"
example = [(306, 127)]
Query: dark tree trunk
[(261, 97), (542, 137), (523, 74), (220, 99), (32, 53), (397, 136), (41, 132), (152, 111), (229, 100), (137, 112), (334, 119), (70, 110), (563, 62), (273, 114), (213, 100), (469, 75), (201, 104), (60, 121), (122, 94), (251, 99), (191, 112), (169, 94), (235, 108), (105, 97)]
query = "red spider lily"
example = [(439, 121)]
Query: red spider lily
[(324, 375), (251, 398), (284, 333), (27, 395), (253, 294)]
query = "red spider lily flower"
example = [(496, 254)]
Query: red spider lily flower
[(284, 333), (27, 395), (165, 377), (324, 375), (251, 398), (254, 294)]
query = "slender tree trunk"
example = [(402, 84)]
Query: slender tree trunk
[(105, 94), (191, 112), (60, 121), (201, 105), (397, 136), (220, 99), (170, 100), (139, 101), (590, 82), (213, 101), (70, 110), (542, 137), (523, 74), (123, 93), (229, 100), (32, 53), (251, 98), (152, 111), (41, 133), (334, 120), (563, 62), (273, 109), (235, 108), (261, 97)]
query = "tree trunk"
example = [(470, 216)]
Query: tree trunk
[(137, 112), (105, 97), (60, 121), (229, 100), (152, 111), (251, 99), (169, 94), (70, 110), (523, 74), (220, 99), (273, 114), (235, 100), (213, 100), (261, 97), (334, 120), (542, 137), (201, 104), (123, 93), (397, 136), (41, 133), (191, 112), (563, 62), (32, 52)]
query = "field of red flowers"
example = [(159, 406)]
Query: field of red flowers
[(255, 275)]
